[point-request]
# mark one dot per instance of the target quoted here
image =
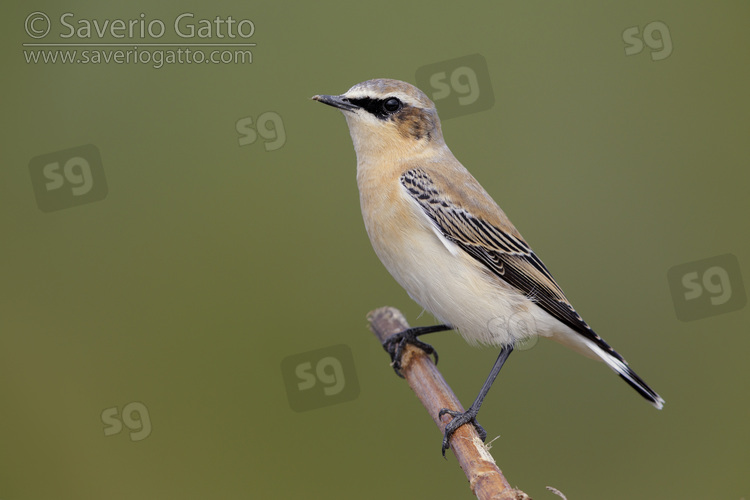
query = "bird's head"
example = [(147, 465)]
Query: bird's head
[(388, 117)]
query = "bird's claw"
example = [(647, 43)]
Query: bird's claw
[(459, 419), (396, 343)]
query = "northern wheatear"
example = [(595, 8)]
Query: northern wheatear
[(447, 242)]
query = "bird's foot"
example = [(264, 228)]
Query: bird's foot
[(459, 419), (396, 343)]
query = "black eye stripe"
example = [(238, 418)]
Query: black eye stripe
[(378, 107)]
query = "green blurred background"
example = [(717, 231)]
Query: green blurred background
[(165, 311)]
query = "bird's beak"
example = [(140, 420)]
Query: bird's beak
[(337, 101)]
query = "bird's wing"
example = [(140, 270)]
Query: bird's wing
[(500, 249)]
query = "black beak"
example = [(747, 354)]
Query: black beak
[(336, 101)]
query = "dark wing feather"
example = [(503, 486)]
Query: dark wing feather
[(504, 255)]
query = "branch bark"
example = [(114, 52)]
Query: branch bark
[(485, 478)]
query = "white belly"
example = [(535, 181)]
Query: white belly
[(452, 285)]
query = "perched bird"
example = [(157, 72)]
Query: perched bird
[(447, 242)]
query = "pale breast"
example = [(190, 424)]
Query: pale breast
[(438, 275)]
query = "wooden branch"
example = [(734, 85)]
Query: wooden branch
[(485, 478)]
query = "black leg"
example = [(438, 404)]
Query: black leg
[(396, 343), (470, 415)]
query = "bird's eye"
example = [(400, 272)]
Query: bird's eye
[(391, 105)]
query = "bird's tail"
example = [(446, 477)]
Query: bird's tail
[(628, 375), (594, 347)]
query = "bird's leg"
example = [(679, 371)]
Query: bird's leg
[(470, 415), (395, 344)]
